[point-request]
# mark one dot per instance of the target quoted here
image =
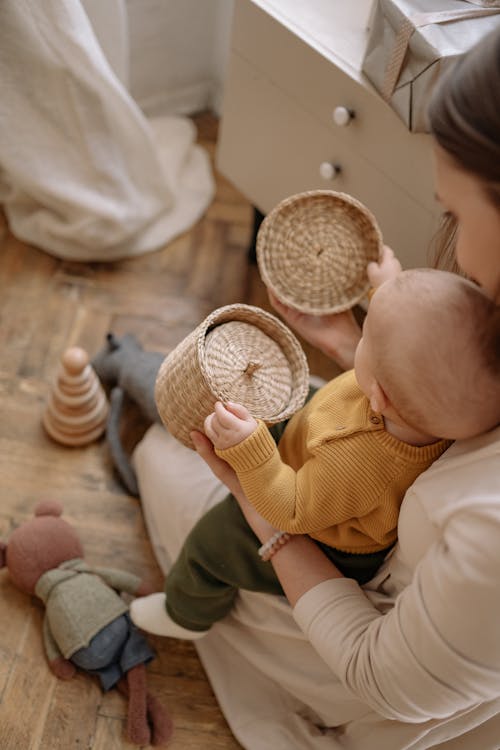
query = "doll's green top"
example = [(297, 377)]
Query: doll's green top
[(80, 600)]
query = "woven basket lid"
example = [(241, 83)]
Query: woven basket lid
[(238, 353), (313, 249)]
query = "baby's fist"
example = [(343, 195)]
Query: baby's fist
[(229, 425), (387, 268)]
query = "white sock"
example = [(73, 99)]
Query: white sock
[(149, 614)]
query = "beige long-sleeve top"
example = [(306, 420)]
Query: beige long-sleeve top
[(436, 611)]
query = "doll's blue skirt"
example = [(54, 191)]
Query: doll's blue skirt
[(114, 651)]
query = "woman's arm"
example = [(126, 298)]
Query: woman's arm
[(436, 652), (295, 577)]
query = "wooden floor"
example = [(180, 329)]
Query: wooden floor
[(47, 305)]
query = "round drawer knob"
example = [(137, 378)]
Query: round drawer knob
[(342, 116), (329, 171)]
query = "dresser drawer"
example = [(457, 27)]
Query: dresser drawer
[(320, 82), (272, 148)]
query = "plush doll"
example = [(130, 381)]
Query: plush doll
[(126, 370), (86, 621)]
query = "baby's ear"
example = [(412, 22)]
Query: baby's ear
[(3, 554), (378, 397)]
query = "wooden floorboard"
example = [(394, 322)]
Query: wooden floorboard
[(46, 305)]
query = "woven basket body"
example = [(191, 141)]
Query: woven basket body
[(313, 249), (238, 353)]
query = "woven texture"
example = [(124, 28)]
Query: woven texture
[(238, 353), (313, 249)]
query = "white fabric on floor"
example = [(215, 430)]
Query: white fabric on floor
[(273, 688), (83, 174)]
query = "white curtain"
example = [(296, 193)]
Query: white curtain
[(83, 174)]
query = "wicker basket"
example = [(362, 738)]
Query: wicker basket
[(238, 353), (313, 249)]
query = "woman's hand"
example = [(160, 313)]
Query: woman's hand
[(336, 335), (262, 528), (300, 564), (220, 468)]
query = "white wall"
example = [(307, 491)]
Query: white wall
[(221, 47), (178, 53)]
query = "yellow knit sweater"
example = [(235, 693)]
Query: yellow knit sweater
[(336, 475)]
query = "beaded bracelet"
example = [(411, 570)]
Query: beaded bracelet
[(273, 545)]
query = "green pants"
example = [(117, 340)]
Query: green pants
[(220, 556)]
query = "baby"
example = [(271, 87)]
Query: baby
[(425, 374)]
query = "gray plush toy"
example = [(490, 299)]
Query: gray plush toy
[(125, 369)]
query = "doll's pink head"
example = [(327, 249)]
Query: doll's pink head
[(39, 545)]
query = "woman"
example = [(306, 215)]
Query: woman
[(412, 660)]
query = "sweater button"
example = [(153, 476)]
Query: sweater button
[(375, 420)]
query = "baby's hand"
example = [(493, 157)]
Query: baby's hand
[(387, 268), (228, 425)]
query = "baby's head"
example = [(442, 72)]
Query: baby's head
[(429, 354)]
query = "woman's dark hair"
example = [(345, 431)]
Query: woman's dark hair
[(464, 113), (464, 118)]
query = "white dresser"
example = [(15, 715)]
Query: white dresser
[(299, 115)]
